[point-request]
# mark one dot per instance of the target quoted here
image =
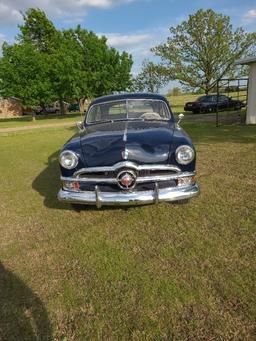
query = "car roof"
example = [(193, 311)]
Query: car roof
[(128, 95)]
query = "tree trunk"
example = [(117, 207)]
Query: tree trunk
[(81, 105), (62, 108)]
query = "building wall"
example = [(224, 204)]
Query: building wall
[(10, 108), (251, 105)]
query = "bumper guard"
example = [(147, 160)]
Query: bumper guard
[(99, 198)]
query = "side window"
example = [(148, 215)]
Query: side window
[(223, 99), (162, 110), (94, 114), (208, 99), (117, 111)]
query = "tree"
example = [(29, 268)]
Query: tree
[(23, 74), (151, 78), (203, 49), (104, 69), (176, 91), (38, 30), (47, 64), (63, 60)]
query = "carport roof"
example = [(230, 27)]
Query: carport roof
[(247, 60)]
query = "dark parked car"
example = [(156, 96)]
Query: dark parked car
[(74, 107), (129, 150), (209, 103), (48, 109)]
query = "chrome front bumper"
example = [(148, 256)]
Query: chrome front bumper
[(99, 198)]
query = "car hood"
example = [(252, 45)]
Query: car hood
[(139, 141)]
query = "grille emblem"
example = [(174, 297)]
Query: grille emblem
[(126, 179)]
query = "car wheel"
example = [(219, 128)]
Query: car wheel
[(237, 106), (202, 111)]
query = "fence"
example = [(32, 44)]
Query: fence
[(237, 89)]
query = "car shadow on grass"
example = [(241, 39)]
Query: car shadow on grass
[(47, 184), (22, 314)]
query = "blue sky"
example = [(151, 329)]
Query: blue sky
[(131, 25)]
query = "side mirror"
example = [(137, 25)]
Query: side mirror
[(80, 126), (180, 118)]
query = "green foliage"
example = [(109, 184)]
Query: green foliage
[(38, 30), (103, 69), (24, 74), (151, 78), (203, 49), (47, 64)]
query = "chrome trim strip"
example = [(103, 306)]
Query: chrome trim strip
[(94, 180), (156, 193), (97, 196), (140, 179), (125, 133), (126, 164), (130, 197)]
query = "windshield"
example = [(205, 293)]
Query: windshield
[(128, 110)]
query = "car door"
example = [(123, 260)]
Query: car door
[(214, 99), (223, 102)]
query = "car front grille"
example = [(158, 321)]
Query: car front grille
[(113, 174), (147, 176), (147, 186)]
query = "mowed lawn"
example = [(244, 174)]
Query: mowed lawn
[(157, 272), (27, 120)]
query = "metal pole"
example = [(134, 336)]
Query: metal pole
[(217, 109)]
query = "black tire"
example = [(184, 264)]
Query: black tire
[(237, 106), (77, 207), (203, 110)]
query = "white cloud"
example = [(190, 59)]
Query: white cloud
[(8, 14), (138, 44), (67, 9), (250, 15), (101, 3), (124, 40)]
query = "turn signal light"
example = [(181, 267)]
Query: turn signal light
[(186, 181), (71, 185)]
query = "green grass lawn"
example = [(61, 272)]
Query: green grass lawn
[(27, 120), (157, 272)]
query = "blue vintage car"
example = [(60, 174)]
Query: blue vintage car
[(129, 150)]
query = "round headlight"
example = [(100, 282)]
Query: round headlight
[(184, 154), (68, 159)]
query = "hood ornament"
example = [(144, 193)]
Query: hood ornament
[(125, 154)]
